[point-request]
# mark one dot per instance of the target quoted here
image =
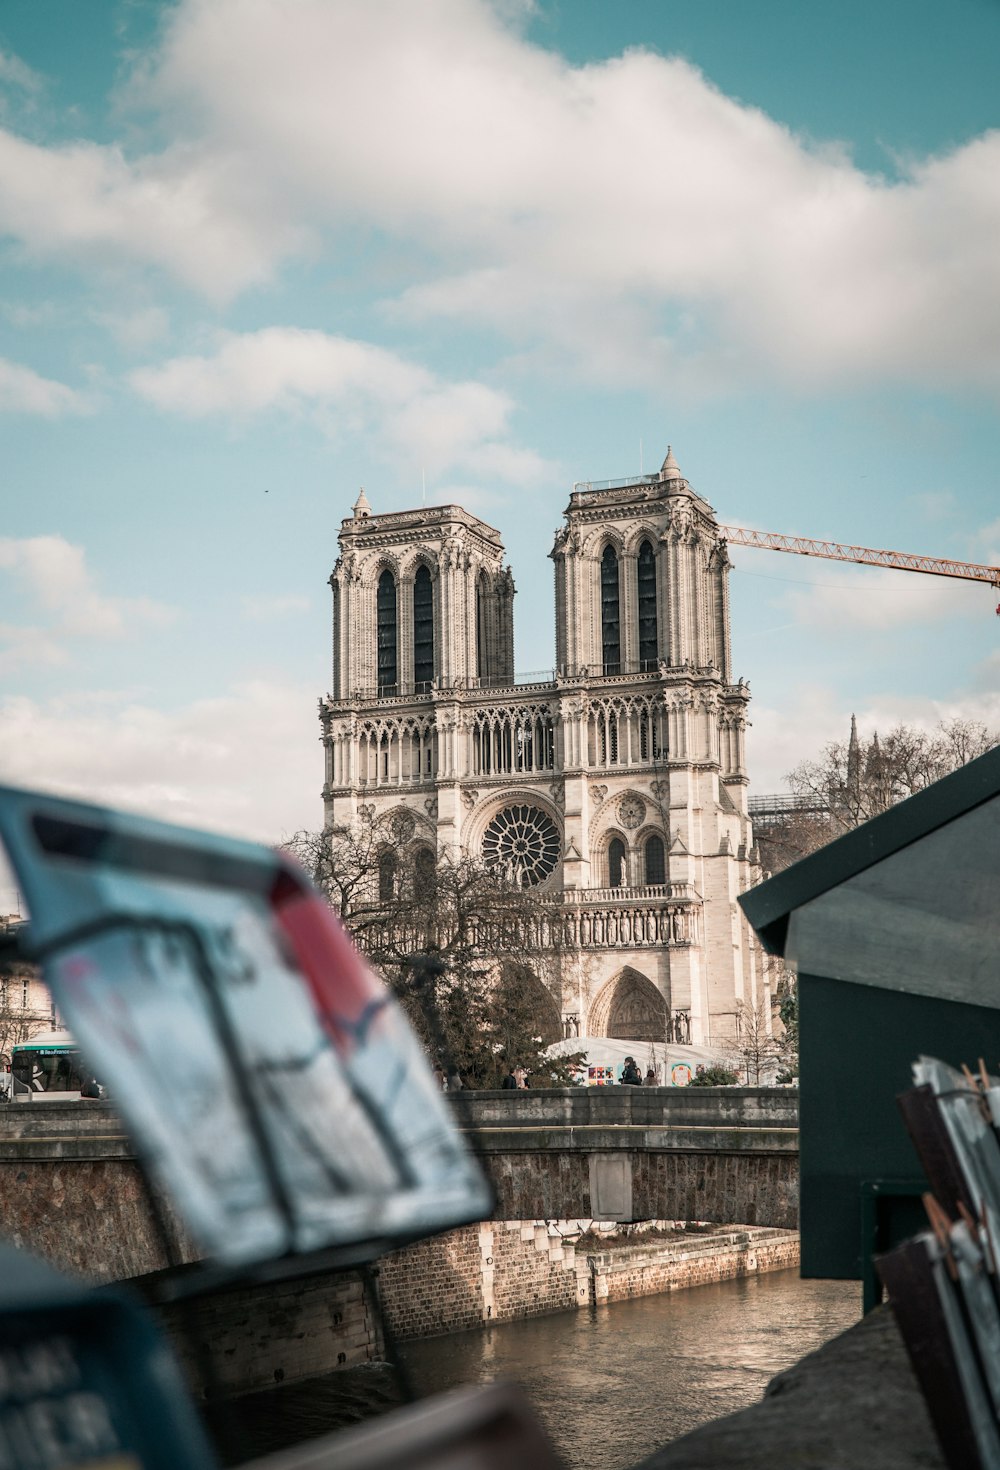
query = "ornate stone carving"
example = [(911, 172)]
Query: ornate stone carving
[(469, 798), (598, 793), (558, 792), (431, 806), (660, 789), (631, 810)]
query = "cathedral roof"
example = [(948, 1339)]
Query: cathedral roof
[(361, 506)]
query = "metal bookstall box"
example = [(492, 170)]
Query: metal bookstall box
[(892, 930)]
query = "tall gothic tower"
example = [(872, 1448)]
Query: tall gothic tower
[(617, 783)]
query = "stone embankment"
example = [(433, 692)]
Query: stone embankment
[(502, 1270)]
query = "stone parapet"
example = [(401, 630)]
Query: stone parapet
[(769, 1107)]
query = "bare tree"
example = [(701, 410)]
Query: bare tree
[(859, 779), (856, 779), (25, 1004), (491, 998), (757, 1050)]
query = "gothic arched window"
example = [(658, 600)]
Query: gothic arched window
[(423, 630), (611, 632), (386, 627), (424, 866), (616, 863), (646, 579), (482, 596), (387, 877), (656, 869)]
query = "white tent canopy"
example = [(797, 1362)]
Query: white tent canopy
[(606, 1051)]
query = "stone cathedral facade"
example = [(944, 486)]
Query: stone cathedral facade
[(617, 785)]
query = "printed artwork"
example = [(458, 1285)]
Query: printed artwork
[(600, 1076), (680, 1074)]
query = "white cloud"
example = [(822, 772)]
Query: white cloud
[(838, 597), (346, 385), (569, 194), (247, 762), (17, 73), (781, 737), (55, 579), (625, 213), (175, 210), (877, 598), (24, 391), (135, 330)]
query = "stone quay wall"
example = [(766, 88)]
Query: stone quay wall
[(279, 1332), (503, 1270)]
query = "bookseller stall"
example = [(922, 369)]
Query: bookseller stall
[(892, 930)]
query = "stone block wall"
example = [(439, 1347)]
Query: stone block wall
[(649, 1270), (500, 1271), (274, 1333), (730, 1107), (90, 1217), (435, 1285), (667, 1184)]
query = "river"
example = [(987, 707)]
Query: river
[(611, 1383)]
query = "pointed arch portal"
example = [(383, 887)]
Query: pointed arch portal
[(629, 1008)]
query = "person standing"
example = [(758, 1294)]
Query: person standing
[(631, 1076), (510, 1080)]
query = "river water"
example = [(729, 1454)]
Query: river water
[(611, 1383)]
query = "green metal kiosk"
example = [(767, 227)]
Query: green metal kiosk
[(893, 931)]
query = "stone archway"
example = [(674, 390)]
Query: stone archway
[(629, 1008)]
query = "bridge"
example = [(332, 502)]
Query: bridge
[(70, 1189)]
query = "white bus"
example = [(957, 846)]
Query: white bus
[(47, 1067)]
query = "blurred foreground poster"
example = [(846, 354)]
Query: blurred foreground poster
[(272, 1085)]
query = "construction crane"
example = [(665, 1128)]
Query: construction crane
[(904, 561)]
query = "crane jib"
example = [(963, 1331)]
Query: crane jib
[(904, 561)]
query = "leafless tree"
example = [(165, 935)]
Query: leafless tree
[(25, 1007), (757, 1049), (497, 958), (856, 779)]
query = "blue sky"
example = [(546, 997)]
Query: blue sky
[(254, 255)]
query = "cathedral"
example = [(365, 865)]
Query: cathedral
[(616, 784)]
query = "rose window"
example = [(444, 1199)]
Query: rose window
[(523, 842)]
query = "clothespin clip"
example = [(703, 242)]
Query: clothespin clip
[(941, 1226), (973, 1082)]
